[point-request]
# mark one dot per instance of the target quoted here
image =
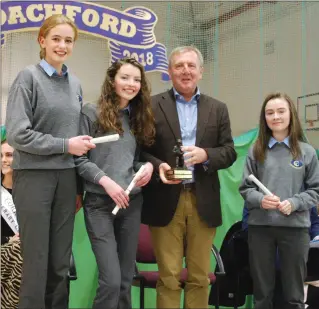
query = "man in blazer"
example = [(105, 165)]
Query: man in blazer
[(183, 216)]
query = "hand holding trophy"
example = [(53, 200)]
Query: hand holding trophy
[(180, 172)]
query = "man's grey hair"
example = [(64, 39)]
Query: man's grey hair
[(184, 49)]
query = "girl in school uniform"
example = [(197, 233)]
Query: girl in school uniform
[(42, 122), (288, 167), (123, 108)]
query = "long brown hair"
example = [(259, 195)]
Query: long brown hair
[(50, 23), (141, 115), (294, 129)]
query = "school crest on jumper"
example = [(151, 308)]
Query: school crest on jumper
[(296, 164)]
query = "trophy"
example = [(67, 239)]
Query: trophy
[(180, 172)]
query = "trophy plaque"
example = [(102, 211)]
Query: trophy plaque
[(180, 172)]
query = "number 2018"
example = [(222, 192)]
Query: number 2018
[(143, 58)]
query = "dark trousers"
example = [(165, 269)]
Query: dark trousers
[(114, 242), (313, 297), (45, 204), (293, 247)]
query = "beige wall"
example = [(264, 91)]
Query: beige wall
[(247, 74)]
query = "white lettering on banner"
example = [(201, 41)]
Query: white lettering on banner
[(90, 17), (15, 13), (130, 32), (30, 12), (140, 57)]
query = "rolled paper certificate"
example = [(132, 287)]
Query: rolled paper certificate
[(105, 139), (259, 184), (130, 187)]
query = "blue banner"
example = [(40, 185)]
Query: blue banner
[(130, 32)]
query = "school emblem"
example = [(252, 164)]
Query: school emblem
[(296, 164)]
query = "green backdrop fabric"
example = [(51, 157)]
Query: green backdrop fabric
[(83, 289)]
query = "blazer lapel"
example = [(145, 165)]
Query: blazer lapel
[(168, 107), (203, 111)]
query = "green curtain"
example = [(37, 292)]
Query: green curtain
[(83, 289)]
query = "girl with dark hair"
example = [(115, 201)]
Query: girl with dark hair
[(123, 108), (289, 168), (11, 260), (6, 183)]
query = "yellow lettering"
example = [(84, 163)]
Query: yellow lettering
[(30, 12), (71, 11), (3, 18), (128, 29), (15, 13), (90, 18), (52, 9), (109, 23)]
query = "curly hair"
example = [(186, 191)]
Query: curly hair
[(142, 121), (264, 135)]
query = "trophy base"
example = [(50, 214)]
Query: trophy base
[(179, 174)]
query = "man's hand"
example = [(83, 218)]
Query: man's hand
[(285, 207), (194, 155), (164, 167), (117, 194), (270, 202), (145, 177)]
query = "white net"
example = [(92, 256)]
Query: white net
[(250, 49)]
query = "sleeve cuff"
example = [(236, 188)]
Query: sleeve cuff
[(294, 205), (98, 177), (65, 145), (254, 201)]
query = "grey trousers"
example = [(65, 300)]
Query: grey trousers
[(45, 204), (114, 242), (293, 247)]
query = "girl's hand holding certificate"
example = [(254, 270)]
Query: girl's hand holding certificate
[(285, 207), (271, 201), (145, 176)]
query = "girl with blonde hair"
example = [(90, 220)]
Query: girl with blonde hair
[(42, 121)]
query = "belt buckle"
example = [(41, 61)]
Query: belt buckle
[(188, 186)]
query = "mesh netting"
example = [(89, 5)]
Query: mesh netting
[(249, 49)]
